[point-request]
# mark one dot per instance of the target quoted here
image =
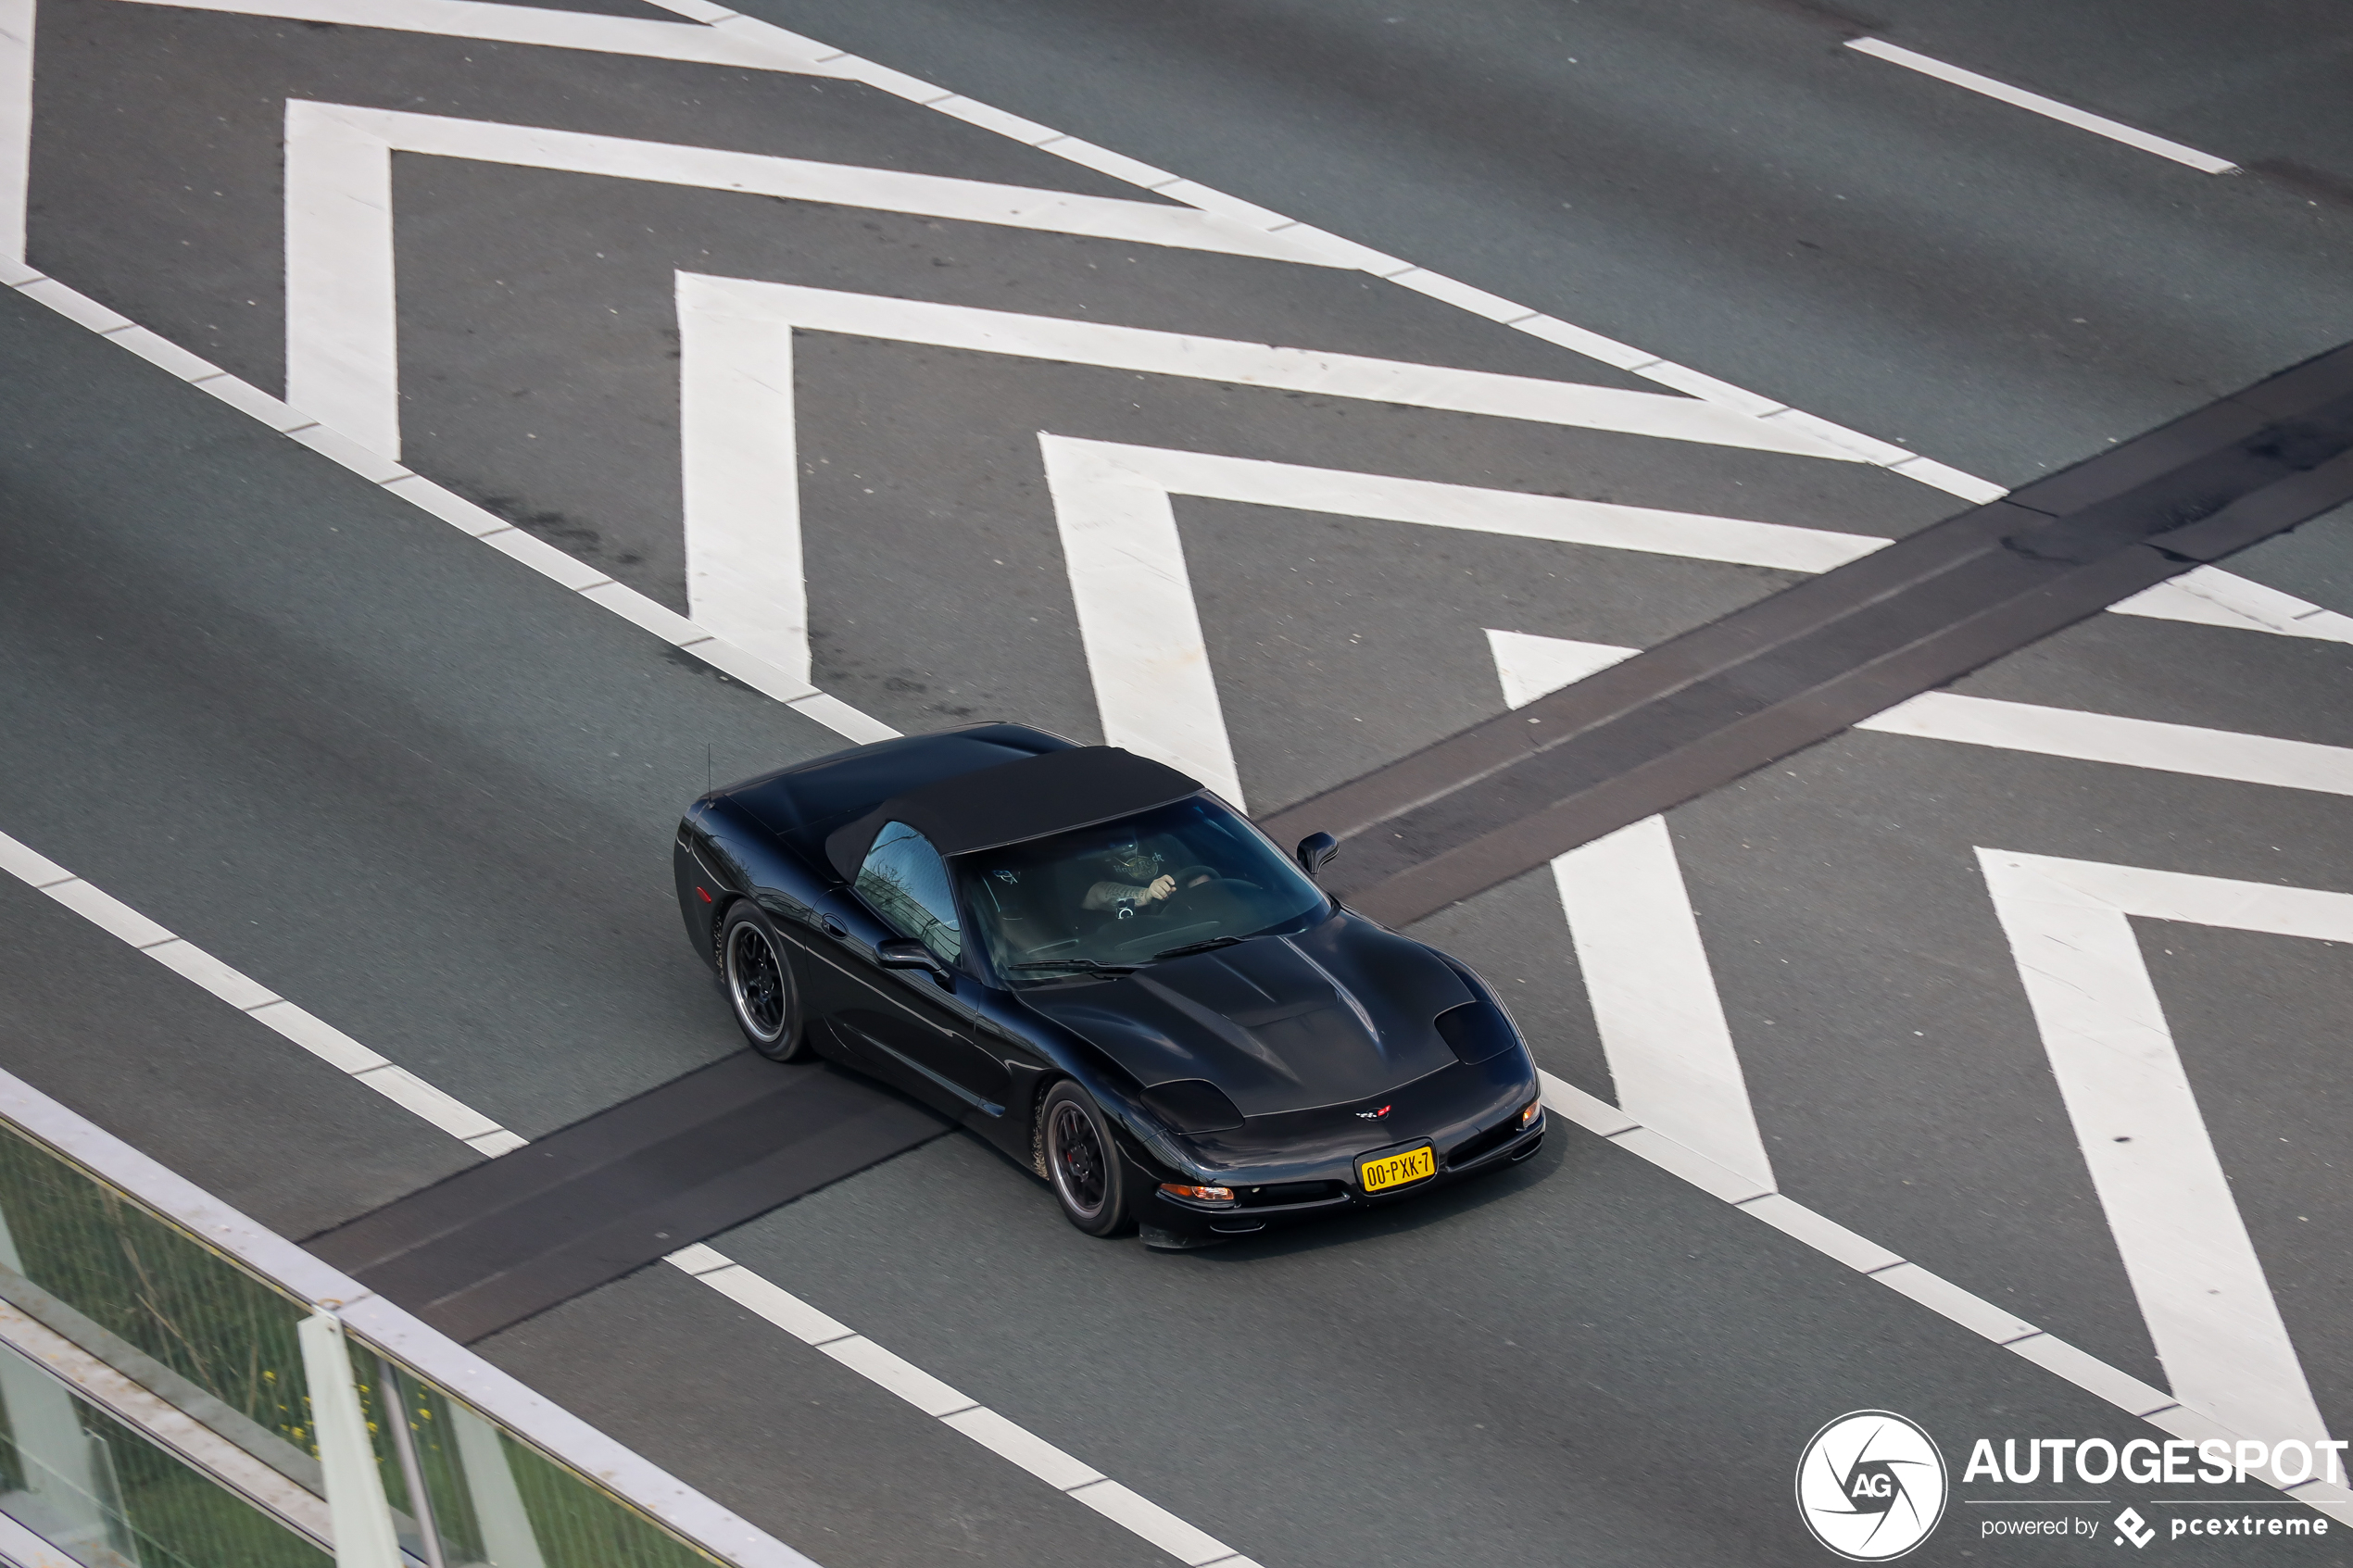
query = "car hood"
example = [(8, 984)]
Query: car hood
[(1338, 1013)]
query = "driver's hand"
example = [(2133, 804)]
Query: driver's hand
[(1161, 886)]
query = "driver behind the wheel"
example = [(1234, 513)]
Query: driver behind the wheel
[(1135, 880)]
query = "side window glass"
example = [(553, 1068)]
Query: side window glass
[(906, 882)]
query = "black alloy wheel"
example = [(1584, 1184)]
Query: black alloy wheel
[(758, 986), (1090, 1179)]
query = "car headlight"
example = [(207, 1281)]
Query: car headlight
[(1198, 1194), (1527, 1117)]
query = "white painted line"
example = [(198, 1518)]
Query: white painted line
[(902, 1377), (851, 724), (793, 691), (1102, 160), (534, 25), (2209, 597), (108, 913), (15, 135), (746, 579), (2201, 1287), (341, 323), (2129, 743), (73, 306), (1870, 449), (1654, 995), (322, 1039), (1952, 481), (1638, 944), (546, 559), (1517, 513), (451, 509), (655, 617), (1691, 1165), (2050, 108), (1709, 389), (1011, 126), (186, 958), (772, 1302), (1155, 1523), (1943, 1296), (1247, 364), (333, 445), (2092, 1375), (1146, 653), (249, 400), (1021, 1446), (1592, 1112), (1592, 344), (162, 352), (426, 1103), (33, 870), (1823, 1234), (247, 995), (1538, 665), (699, 1259)]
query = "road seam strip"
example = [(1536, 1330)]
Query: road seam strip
[(1907, 1278), (2049, 109), (884, 1368)]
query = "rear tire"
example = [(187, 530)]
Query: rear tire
[(1090, 1179), (758, 982)]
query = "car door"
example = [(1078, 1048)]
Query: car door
[(924, 1035)]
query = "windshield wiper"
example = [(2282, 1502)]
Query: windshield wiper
[(1087, 964), (1180, 952)]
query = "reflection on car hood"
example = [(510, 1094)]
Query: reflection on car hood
[(1338, 1013)]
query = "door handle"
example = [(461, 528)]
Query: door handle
[(833, 927)]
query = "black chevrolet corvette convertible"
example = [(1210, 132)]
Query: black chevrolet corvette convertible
[(1106, 971)]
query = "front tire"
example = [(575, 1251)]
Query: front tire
[(758, 982), (1090, 1179)]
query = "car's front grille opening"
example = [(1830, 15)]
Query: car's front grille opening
[(1286, 1192), (1479, 1145)]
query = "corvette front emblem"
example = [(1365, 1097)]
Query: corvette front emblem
[(1372, 1115)]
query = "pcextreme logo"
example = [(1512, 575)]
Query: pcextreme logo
[(1871, 1486)]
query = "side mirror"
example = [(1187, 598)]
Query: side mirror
[(905, 952), (1315, 852)]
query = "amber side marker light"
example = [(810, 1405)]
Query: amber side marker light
[(1527, 1117), (1205, 1194)]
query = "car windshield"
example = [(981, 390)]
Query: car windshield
[(1121, 894)]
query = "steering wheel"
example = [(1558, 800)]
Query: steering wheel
[(1184, 877)]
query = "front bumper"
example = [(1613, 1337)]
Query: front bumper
[(1306, 1195)]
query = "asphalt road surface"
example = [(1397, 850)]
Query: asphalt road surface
[(426, 792)]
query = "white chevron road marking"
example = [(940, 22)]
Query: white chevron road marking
[(2201, 1287), (343, 350)]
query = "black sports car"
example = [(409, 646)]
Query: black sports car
[(1106, 971)]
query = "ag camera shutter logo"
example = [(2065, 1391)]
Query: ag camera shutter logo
[(1871, 1486)]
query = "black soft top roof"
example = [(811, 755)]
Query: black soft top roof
[(1015, 801), (803, 803)]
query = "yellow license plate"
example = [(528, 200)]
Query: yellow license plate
[(1399, 1169)]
